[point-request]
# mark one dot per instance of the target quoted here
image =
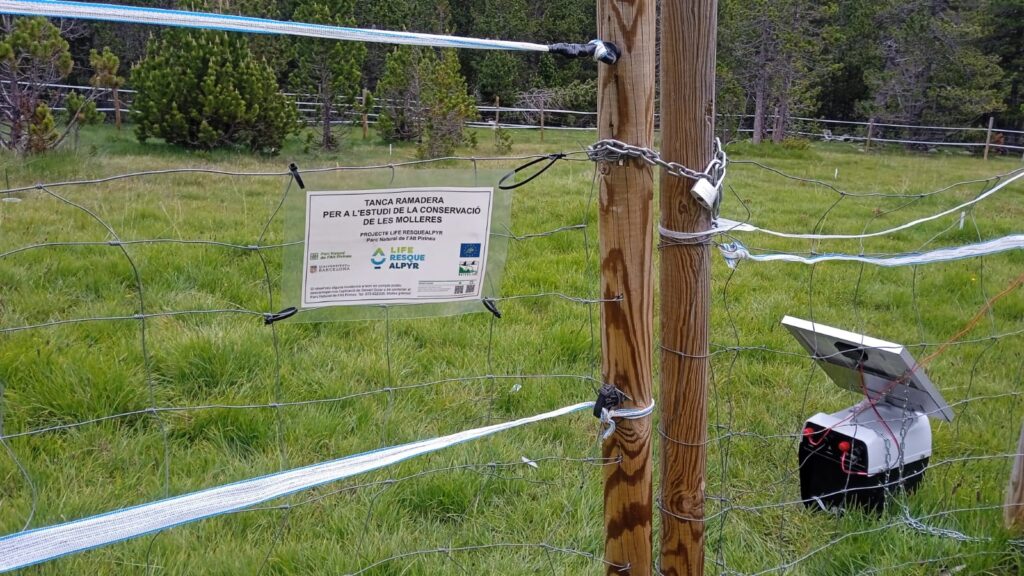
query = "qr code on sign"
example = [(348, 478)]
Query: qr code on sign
[(471, 289), (458, 289)]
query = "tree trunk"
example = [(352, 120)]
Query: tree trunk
[(325, 117), (760, 105), (782, 111), (17, 117), (761, 89)]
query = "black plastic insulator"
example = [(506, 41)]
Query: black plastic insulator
[(599, 50), (608, 397), (294, 169), (269, 319), (492, 307)]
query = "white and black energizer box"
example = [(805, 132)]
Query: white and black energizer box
[(881, 444)]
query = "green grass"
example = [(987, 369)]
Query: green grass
[(78, 372)]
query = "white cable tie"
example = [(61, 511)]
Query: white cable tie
[(608, 417)]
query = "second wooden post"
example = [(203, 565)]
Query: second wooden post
[(688, 34)]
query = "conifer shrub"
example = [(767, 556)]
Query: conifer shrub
[(204, 89)]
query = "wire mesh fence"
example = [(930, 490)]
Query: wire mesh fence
[(136, 364), (140, 304), (960, 320)]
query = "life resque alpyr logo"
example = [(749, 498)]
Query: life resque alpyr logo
[(378, 259), (397, 258)]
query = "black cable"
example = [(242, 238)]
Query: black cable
[(551, 158)]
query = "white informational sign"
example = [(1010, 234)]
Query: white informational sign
[(395, 246)]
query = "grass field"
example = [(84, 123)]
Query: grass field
[(477, 498)]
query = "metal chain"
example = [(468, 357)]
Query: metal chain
[(610, 150), (919, 526)]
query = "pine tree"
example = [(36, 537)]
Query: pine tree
[(328, 69), (499, 74), (278, 51), (447, 107), (42, 129), (429, 16), (929, 68), (105, 65), (773, 55), (399, 91), (79, 111), (1003, 31), (204, 90), (32, 55)]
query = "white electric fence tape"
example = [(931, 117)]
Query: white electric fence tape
[(189, 19), (42, 544), (725, 226), (734, 251)]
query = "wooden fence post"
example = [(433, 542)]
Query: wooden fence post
[(688, 36), (366, 114), (497, 118), (871, 132), (1013, 513), (988, 135), (625, 104), (542, 123)]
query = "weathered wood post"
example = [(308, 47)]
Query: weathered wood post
[(541, 122), (688, 35), (625, 104), (1013, 513), (366, 114), (988, 135)]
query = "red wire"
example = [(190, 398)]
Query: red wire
[(872, 402), (842, 466), (1016, 283), (824, 433)]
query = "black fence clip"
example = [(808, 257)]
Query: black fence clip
[(608, 397), (551, 158), (269, 318), (492, 307), (295, 174)]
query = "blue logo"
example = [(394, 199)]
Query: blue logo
[(378, 259), (469, 251)]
